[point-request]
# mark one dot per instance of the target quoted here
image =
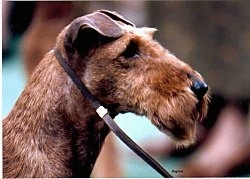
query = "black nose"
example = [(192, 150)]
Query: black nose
[(199, 88)]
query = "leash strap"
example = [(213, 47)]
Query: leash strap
[(104, 114)]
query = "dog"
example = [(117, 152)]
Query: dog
[(53, 131)]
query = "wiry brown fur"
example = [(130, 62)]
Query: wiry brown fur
[(52, 130)]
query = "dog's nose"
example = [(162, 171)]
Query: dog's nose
[(199, 88)]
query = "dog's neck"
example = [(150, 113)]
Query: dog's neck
[(58, 124)]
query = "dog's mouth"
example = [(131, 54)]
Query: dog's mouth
[(182, 132), (200, 110), (182, 129), (177, 131)]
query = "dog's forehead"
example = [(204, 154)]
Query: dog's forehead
[(146, 32)]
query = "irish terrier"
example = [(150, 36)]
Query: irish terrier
[(53, 131)]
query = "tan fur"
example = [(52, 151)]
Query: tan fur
[(52, 130)]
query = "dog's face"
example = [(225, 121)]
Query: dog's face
[(128, 71)]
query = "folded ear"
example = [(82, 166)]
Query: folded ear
[(98, 28)]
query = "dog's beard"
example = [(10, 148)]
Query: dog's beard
[(181, 121), (183, 134)]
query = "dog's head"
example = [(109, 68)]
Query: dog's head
[(128, 71)]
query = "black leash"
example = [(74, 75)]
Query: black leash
[(104, 114)]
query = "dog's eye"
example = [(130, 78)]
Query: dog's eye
[(131, 50)]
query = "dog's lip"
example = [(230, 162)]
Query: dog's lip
[(177, 132), (163, 126), (197, 112), (195, 115)]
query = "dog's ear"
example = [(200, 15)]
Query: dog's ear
[(90, 31), (116, 16)]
